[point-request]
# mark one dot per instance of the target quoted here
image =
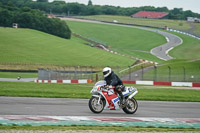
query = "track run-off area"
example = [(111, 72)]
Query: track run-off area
[(66, 111)]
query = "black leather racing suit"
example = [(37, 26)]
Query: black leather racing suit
[(114, 80)]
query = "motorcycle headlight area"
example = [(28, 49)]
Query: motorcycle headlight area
[(95, 89)]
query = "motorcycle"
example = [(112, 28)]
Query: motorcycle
[(106, 98)]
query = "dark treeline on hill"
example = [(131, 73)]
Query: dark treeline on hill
[(26, 17), (60, 7)]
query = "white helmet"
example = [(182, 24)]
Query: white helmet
[(106, 71)]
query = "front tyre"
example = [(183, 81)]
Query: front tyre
[(95, 106), (131, 106)]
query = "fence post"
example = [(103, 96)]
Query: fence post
[(97, 77), (129, 72), (142, 72), (184, 73), (87, 71), (155, 73), (169, 73), (75, 73), (49, 74), (91, 76)]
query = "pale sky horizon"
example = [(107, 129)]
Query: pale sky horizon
[(193, 5)]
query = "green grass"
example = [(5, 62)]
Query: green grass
[(16, 74), (26, 46), (189, 49), (190, 46), (197, 30), (31, 89), (174, 24), (125, 40), (20, 89), (191, 74), (96, 128), (168, 95), (185, 56)]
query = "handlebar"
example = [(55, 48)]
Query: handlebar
[(109, 87)]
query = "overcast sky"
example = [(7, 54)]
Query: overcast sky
[(193, 5)]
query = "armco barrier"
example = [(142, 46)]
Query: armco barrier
[(163, 83), (189, 84), (196, 84)]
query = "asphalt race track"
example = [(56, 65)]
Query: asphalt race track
[(79, 107)]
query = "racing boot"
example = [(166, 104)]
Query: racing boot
[(122, 99)]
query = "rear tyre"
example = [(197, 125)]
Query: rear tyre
[(94, 106), (131, 106)]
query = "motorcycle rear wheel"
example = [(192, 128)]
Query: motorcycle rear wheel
[(131, 106), (94, 106)]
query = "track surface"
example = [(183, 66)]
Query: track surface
[(16, 80), (79, 107)]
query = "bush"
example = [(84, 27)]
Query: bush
[(34, 19)]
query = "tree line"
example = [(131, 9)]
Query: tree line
[(71, 9), (26, 17)]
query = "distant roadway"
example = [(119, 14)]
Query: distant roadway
[(79, 107), (160, 51)]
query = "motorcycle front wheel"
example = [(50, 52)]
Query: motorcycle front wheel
[(131, 106), (95, 106)]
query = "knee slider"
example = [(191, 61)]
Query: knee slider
[(118, 89)]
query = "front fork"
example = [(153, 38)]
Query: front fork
[(98, 102), (99, 98)]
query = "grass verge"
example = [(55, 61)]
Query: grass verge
[(176, 70), (188, 49), (16, 74), (96, 128), (30, 89)]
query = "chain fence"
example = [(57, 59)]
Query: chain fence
[(73, 73), (145, 72), (167, 74)]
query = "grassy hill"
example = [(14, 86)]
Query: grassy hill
[(176, 24), (31, 47), (125, 40), (197, 30), (189, 49)]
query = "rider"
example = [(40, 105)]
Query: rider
[(113, 80)]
